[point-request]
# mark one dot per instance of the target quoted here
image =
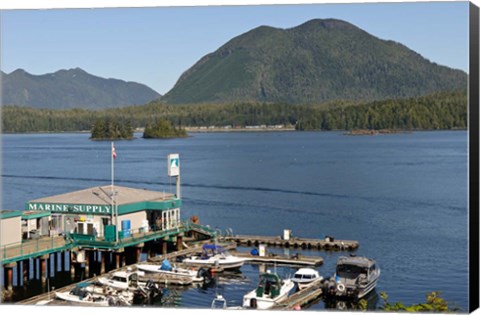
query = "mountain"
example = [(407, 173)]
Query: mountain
[(318, 61), (71, 88)]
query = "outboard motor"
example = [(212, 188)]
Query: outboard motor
[(207, 276), (331, 288), (150, 284)]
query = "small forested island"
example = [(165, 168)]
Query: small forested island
[(108, 129), (163, 129)]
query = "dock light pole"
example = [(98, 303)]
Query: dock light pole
[(114, 204)]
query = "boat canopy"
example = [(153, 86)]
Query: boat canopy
[(306, 271), (356, 261), (214, 248)]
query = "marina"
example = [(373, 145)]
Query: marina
[(252, 211)]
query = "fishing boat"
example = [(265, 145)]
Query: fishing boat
[(355, 277), (215, 256), (167, 269), (271, 290), (305, 277)]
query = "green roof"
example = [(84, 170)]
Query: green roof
[(28, 215), (5, 214), (97, 201)]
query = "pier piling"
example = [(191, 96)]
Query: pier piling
[(102, 262), (43, 269), (164, 247), (9, 276)]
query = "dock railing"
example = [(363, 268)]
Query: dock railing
[(127, 237), (32, 248)]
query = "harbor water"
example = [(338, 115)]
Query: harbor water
[(402, 196)]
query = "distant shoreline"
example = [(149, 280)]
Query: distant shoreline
[(360, 132), (242, 129)]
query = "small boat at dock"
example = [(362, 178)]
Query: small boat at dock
[(354, 277), (84, 300), (304, 277), (87, 294), (122, 280), (167, 269), (271, 290), (215, 256)]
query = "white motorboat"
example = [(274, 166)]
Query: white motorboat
[(88, 294), (167, 269), (270, 291), (304, 277), (86, 299), (220, 302), (355, 277), (215, 256), (122, 280)]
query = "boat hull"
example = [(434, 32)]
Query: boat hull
[(175, 272), (226, 263), (76, 300)]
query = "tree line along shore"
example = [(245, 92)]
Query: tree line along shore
[(439, 111)]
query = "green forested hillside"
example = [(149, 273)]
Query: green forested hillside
[(318, 61), (73, 88), (447, 110)]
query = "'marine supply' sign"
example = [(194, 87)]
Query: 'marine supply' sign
[(173, 165), (70, 208)]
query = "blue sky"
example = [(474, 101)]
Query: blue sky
[(154, 46)]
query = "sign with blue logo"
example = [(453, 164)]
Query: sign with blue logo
[(173, 164)]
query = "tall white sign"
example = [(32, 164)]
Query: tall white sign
[(173, 165)]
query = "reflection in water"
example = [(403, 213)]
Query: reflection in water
[(346, 305)]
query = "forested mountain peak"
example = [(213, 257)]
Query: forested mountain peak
[(317, 61)]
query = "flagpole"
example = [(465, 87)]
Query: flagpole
[(113, 170)]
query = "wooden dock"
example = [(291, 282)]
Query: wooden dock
[(302, 297), (294, 242), (270, 258)]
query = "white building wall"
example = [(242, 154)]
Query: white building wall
[(10, 231), (136, 220)]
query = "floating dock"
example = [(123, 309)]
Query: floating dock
[(270, 258), (329, 243)]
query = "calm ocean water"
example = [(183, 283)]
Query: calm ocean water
[(402, 196)]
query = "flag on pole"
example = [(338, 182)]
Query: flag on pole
[(114, 153)]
